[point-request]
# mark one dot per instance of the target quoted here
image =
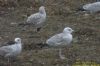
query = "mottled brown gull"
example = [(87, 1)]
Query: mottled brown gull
[(37, 19)]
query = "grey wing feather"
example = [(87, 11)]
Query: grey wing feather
[(56, 39), (4, 50), (34, 18)]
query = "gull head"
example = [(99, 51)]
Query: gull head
[(42, 9), (18, 40), (68, 30)]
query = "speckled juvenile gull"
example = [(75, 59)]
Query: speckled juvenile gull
[(61, 39), (11, 51), (38, 18), (91, 7)]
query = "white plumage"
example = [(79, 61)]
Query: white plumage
[(61, 39), (11, 50), (92, 7), (38, 18)]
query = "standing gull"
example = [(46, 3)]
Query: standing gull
[(91, 7), (61, 40), (11, 51), (37, 19)]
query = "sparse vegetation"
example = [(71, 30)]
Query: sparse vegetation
[(60, 13)]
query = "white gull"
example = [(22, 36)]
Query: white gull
[(61, 39), (11, 51), (91, 7)]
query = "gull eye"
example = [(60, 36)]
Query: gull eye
[(69, 29), (18, 40)]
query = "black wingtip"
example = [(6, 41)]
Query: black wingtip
[(23, 24), (11, 42), (80, 9), (41, 45)]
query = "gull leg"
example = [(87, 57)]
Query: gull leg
[(60, 54), (9, 63)]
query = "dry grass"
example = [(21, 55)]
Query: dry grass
[(60, 13)]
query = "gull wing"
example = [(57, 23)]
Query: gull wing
[(55, 40), (5, 50), (34, 18)]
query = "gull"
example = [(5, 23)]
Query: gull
[(37, 19), (91, 7), (11, 51), (61, 40)]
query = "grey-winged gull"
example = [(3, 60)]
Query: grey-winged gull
[(61, 39), (38, 18), (11, 51), (91, 7)]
